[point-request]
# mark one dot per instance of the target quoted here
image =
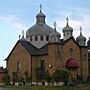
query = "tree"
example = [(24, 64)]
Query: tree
[(28, 77), (60, 75), (88, 78), (22, 80), (56, 76), (65, 76), (47, 76), (15, 77), (6, 79), (37, 74)]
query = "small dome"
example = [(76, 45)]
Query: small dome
[(67, 27), (55, 34), (80, 37), (40, 14), (72, 63)]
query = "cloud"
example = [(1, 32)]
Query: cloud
[(13, 22), (19, 26), (79, 16), (73, 23)]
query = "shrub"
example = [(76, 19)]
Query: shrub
[(6, 79), (88, 78)]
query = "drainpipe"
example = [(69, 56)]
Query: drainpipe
[(81, 61), (31, 70)]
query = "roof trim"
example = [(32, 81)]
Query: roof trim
[(73, 40), (12, 50), (31, 49)]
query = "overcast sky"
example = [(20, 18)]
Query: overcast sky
[(18, 15)]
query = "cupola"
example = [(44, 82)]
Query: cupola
[(55, 36), (67, 30), (81, 40)]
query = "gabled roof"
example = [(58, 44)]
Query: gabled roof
[(62, 42), (57, 43), (31, 49), (73, 40)]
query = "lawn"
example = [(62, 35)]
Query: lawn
[(36, 87), (80, 87)]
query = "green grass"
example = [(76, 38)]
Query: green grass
[(28, 87), (36, 87)]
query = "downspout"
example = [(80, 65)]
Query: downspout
[(81, 61), (31, 70)]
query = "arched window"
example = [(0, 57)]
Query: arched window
[(31, 38), (41, 38), (67, 34), (85, 56), (42, 65), (18, 66), (54, 39), (47, 38), (36, 38), (64, 34), (71, 51), (58, 55), (42, 69)]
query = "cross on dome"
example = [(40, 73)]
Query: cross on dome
[(55, 24), (19, 37), (40, 7), (80, 30), (67, 20), (22, 33)]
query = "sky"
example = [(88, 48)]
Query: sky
[(18, 15)]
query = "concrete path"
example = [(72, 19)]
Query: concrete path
[(3, 88)]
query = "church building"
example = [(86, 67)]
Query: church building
[(43, 48)]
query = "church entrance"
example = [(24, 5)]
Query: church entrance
[(73, 74), (72, 65)]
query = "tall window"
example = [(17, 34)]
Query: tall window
[(64, 34), (42, 69), (67, 34), (41, 38), (58, 55), (31, 38), (36, 38), (71, 33), (42, 65), (54, 39), (88, 56), (47, 38), (71, 51), (18, 66)]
